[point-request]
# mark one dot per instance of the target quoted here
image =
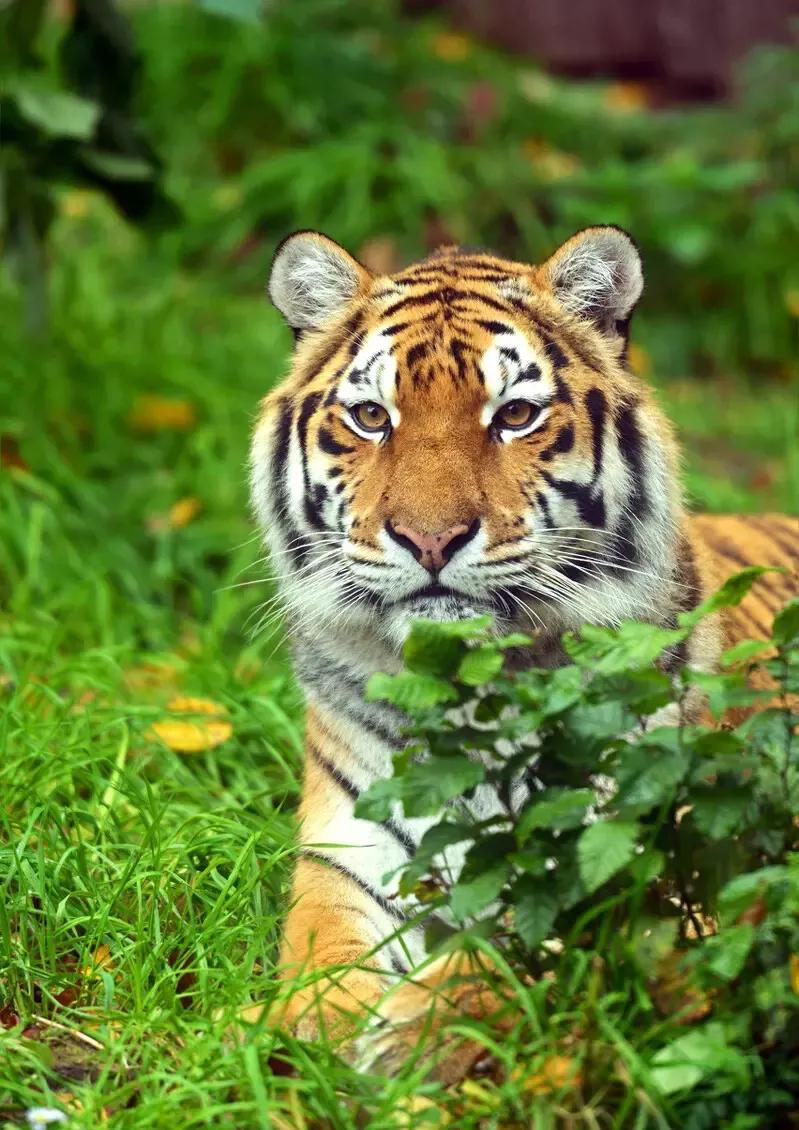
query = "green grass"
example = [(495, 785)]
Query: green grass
[(178, 863)]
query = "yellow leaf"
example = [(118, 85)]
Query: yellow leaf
[(792, 302), (627, 97), (793, 968), (189, 737), (148, 675), (556, 1072), (451, 46), (640, 361), (410, 1111), (162, 413), (101, 959), (550, 163), (184, 511), (184, 736)]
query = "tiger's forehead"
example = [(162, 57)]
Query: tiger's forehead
[(491, 362)]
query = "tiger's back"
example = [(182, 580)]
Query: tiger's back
[(734, 541)]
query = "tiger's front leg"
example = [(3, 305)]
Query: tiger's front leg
[(343, 944), (349, 953)]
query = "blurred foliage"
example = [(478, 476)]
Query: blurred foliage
[(67, 119), (360, 121)]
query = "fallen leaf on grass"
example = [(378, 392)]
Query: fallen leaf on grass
[(557, 1072), (451, 46), (147, 675), (180, 513), (793, 969), (627, 97), (184, 736), (673, 993), (101, 959), (9, 1018), (550, 163), (10, 454), (162, 413)]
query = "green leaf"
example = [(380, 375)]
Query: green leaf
[(743, 651), (603, 849), (695, 1056), (650, 771), (428, 785), (535, 911), (724, 690), (480, 665), (117, 166), (410, 690), (57, 113), (560, 808), (615, 651), (786, 625), (469, 897), (719, 812), (437, 648), (378, 801), (730, 594), (725, 954)]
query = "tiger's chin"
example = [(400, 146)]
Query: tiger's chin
[(395, 626)]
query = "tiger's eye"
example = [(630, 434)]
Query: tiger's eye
[(515, 414), (370, 416)]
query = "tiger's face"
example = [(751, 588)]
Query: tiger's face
[(459, 438)]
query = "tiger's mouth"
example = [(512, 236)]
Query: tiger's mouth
[(434, 590)]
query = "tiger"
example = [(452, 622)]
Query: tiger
[(462, 437)]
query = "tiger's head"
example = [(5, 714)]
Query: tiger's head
[(463, 437)]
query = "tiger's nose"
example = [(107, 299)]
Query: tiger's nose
[(433, 551)]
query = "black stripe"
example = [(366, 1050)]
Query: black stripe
[(631, 446), (309, 406), (562, 391), (429, 298), (563, 443), (596, 406), (766, 527), (494, 327), (381, 900), (333, 771), (530, 373), (297, 551), (591, 509), (543, 506), (509, 354), (452, 295), (557, 357), (330, 445), (457, 348)]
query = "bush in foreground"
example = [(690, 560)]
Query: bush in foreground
[(655, 907)]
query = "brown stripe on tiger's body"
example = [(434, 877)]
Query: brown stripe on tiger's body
[(462, 437)]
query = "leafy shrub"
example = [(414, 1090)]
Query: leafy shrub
[(650, 880)]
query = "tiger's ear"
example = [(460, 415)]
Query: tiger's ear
[(312, 279), (597, 274)]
